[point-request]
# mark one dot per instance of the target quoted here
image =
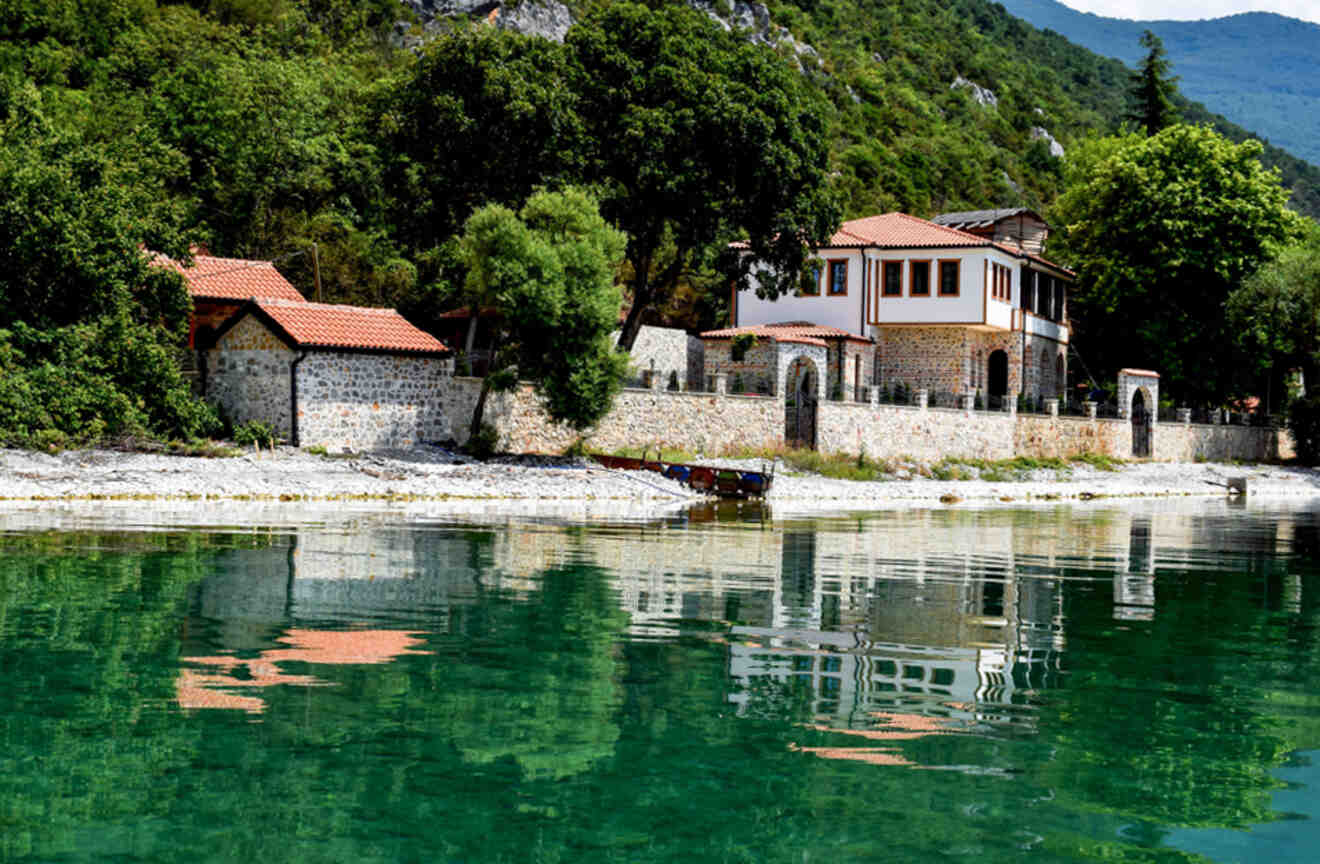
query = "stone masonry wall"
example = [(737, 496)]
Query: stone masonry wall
[(757, 369), (1044, 437), (666, 350), (247, 376), (704, 422), (894, 431), (371, 401), (1187, 442)]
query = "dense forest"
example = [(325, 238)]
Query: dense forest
[(259, 128), (1256, 67)]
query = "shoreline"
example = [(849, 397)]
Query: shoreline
[(432, 475)]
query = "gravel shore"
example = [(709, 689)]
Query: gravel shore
[(433, 474)]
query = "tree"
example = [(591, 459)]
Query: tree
[(1152, 88), (1275, 315), (700, 138), (549, 273), (1160, 230), (484, 117)]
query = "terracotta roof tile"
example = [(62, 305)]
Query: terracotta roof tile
[(901, 230), (212, 278), (789, 331), (325, 325)]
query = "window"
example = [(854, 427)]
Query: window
[(1028, 290), (919, 279), (811, 286), (949, 276), (893, 279), (1058, 300), (1045, 296), (838, 285), (1001, 282)]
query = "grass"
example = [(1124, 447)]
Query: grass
[(666, 454)]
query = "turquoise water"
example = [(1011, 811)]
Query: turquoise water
[(1058, 685)]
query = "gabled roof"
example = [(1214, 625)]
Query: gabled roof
[(982, 218), (330, 327), (803, 332), (899, 230), (212, 278)]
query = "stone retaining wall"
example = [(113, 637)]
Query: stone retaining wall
[(896, 431), (1045, 437), (704, 422), (1187, 442)]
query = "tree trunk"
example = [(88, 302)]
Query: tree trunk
[(471, 335), (632, 325), (479, 411)]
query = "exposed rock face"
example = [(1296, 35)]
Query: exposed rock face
[(1039, 133), (982, 95), (548, 19), (754, 20)]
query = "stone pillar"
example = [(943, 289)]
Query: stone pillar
[(1053, 407), (1185, 416), (721, 384), (967, 402), (1215, 417), (1090, 409), (1010, 404), (873, 396), (923, 398)]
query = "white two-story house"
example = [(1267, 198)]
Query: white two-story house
[(954, 310)]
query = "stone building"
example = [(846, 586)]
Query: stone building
[(339, 377), (949, 311), (791, 359)]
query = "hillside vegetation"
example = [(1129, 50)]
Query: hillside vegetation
[(260, 128), (1257, 68)]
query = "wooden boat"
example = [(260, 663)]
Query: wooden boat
[(725, 482)]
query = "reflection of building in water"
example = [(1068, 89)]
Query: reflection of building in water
[(1134, 591), (208, 682)]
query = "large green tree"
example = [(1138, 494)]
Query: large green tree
[(1160, 230), (548, 271), (699, 138), (1153, 89)]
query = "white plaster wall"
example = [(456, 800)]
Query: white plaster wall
[(963, 309), (844, 312)]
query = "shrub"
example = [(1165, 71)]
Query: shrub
[(1304, 424), (254, 432), (484, 443), (739, 346)]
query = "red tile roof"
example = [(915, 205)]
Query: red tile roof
[(901, 230), (211, 278), (324, 325), (789, 331)]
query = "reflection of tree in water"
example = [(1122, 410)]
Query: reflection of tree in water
[(538, 681)]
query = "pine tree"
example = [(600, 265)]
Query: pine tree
[(1153, 88)]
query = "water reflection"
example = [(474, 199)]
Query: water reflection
[(1086, 685)]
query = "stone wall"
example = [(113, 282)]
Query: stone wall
[(928, 435), (1188, 442), (247, 376), (957, 360), (352, 401), (757, 370), (1044, 437), (704, 422), (669, 352)]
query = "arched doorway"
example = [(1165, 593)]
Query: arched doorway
[(997, 377), (800, 407), (1140, 425)]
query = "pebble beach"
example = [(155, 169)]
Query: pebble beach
[(431, 474)]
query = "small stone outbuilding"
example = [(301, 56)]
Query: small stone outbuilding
[(774, 359), (339, 377)]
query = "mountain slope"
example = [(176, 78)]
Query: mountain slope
[(1257, 68)]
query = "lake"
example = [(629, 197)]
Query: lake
[(1086, 683)]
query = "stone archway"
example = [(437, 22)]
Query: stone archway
[(1141, 411), (802, 383), (996, 377)]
